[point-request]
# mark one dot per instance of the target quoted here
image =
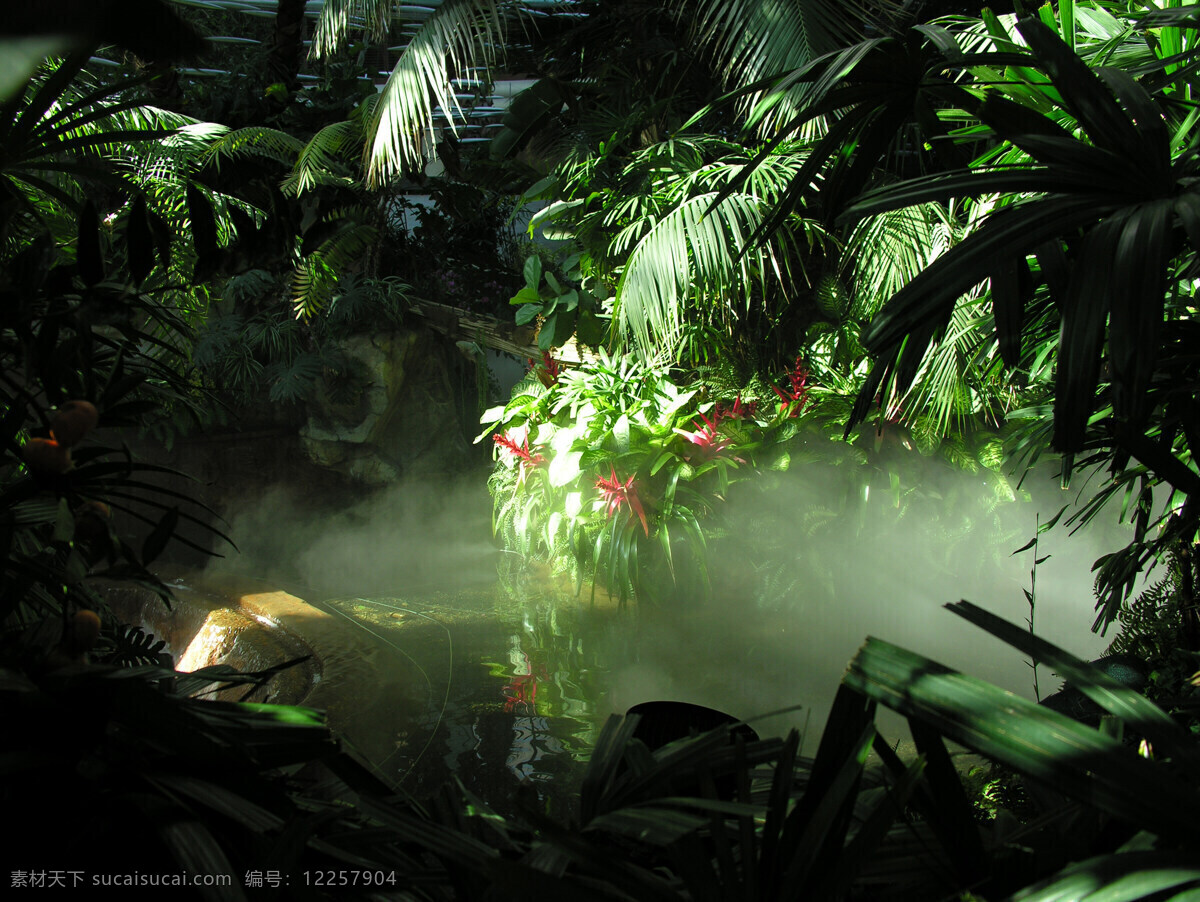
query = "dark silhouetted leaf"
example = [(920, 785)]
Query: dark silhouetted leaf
[(139, 241), (154, 544), (88, 255)]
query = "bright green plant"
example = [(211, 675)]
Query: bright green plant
[(613, 464), (612, 468), (560, 308)]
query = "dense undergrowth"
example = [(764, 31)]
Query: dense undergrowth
[(135, 272)]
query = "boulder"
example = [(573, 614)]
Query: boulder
[(391, 405)]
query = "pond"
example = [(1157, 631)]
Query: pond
[(509, 692), (511, 671)]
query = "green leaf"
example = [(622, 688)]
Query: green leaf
[(556, 330), (1135, 709), (564, 468), (1068, 756), (590, 329), (1123, 877), (533, 274), (526, 295), (156, 542)]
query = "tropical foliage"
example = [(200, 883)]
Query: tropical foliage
[(1072, 243), (93, 337), (614, 471), (716, 815), (977, 222), (998, 213)]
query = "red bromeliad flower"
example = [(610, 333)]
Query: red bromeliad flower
[(706, 439), (795, 397), (616, 493), (520, 452), (738, 411)]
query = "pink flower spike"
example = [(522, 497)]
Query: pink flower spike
[(706, 440), (521, 452), (796, 398)]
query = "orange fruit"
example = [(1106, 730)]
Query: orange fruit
[(91, 520), (72, 421), (45, 455), (82, 633)]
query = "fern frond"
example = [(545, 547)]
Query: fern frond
[(315, 279)]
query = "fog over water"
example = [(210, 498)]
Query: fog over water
[(744, 655)]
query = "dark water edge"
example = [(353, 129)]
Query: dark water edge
[(510, 693)]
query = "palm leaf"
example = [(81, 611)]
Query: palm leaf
[(338, 17), (459, 36), (254, 141), (316, 275), (317, 161), (684, 250), (886, 251), (1045, 745), (753, 40), (1125, 877)]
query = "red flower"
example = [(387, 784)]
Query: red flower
[(616, 493), (795, 397), (706, 438), (738, 411), (520, 452), (549, 371)]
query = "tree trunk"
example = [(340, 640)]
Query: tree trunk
[(287, 48)]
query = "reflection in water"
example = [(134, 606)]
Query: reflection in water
[(512, 695), (532, 741)]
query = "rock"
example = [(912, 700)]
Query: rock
[(391, 407)]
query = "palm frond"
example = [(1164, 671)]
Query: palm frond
[(943, 392), (884, 252), (691, 249), (315, 279), (459, 36), (338, 17), (318, 163), (753, 40), (255, 141)]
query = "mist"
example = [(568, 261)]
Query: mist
[(417, 536), (745, 652), (884, 577)]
